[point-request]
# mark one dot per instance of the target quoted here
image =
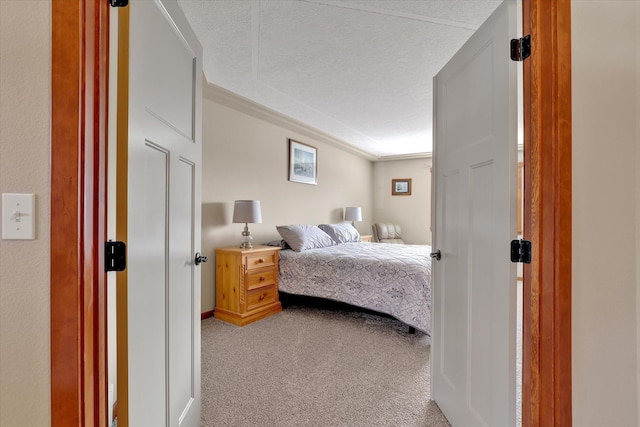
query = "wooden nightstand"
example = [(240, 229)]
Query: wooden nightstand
[(246, 284), (366, 238)]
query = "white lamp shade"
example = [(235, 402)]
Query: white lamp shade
[(247, 211), (352, 214)]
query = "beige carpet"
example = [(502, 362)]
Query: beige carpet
[(316, 367)]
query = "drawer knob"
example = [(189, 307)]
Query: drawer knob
[(262, 296), (262, 278), (261, 260)]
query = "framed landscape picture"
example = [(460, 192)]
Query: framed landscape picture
[(401, 187), (303, 163)]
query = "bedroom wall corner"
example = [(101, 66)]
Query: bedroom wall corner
[(245, 157), (413, 212), (25, 112), (605, 182)]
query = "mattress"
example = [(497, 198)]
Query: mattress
[(389, 278)]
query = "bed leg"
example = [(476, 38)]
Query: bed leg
[(412, 330)]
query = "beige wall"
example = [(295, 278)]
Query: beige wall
[(25, 88), (413, 213), (246, 158), (638, 205), (605, 181)]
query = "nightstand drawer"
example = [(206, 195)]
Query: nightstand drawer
[(260, 297), (259, 279), (261, 260)]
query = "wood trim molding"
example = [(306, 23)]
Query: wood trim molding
[(206, 315), (244, 105), (78, 212), (547, 151), (114, 410), (424, 155)]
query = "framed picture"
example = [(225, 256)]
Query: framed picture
[(303, 163), (401, 187)]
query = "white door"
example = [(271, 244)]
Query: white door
[(474, 316), (165, 150)]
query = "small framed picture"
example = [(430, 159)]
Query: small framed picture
[(303, 163), (401, 187)]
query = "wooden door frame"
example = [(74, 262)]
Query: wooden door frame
[(80, 34), (547, 215), (79, 64)]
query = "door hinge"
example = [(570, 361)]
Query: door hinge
[(521, 48), (119, 3), (115, 256), (521, 251)]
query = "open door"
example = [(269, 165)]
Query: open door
[(160, 153), (474, 289)]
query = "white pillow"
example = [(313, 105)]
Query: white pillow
[(304, 236), (341, 233)]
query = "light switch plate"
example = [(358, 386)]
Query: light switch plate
[(18, 216)]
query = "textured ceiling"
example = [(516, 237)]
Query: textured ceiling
[(358, 70)]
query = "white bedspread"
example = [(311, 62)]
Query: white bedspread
[(388, 278)]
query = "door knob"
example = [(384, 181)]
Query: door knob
[(200, 258), (437, 255)]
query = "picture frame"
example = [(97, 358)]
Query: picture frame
[(303, 163), (401, 187)]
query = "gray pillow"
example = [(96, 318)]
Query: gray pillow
[(341, 233), (303, 236)]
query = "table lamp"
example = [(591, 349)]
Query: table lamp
[(247, 211), (352, 214)]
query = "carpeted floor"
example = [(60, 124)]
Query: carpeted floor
[(316, 367)]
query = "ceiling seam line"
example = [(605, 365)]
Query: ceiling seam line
[(397, 14)]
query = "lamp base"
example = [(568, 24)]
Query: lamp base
[(246, 238)]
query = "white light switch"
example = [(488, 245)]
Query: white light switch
[(18, 216)]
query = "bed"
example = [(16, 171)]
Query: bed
[(388, 278)]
